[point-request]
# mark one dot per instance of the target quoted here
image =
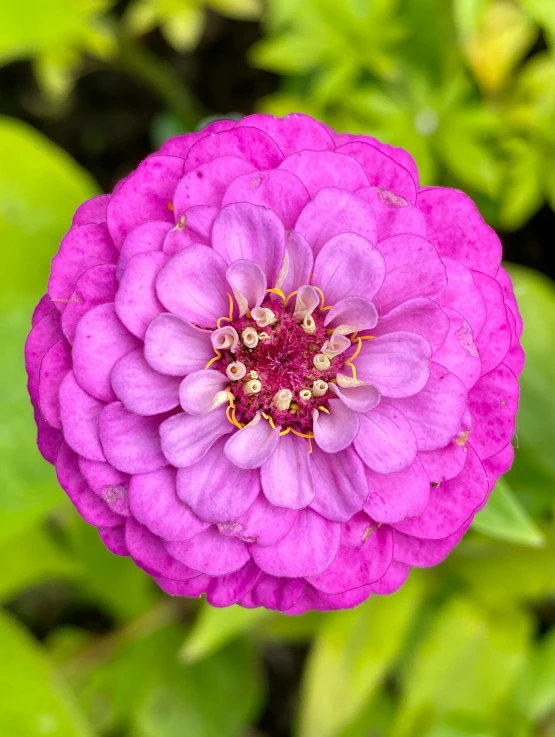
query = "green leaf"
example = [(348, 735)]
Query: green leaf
[(466, 664), (503, 517), (535, 695), (352, 653), (34, 701), (214, 628)]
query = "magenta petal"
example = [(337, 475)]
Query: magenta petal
[(394, 214), (435, 413), (252, 233), (206, 184), (100, 341), (395, 496), (49, 439), (42, 337), (145, 195), (456, 227), (252, 446), (130, 442), (462, 294), (459, 354), (83, 247), (397, 364), (215, 489), (396, 575), (147, 237), (381, 170), (79, 414), (227, 590), (356, 312), (348, 265), (109, 483), (357, 530), (88, 504), (181, 145), (494, 339), (422, 316), (95, 286), (148, 552), (355, 567), (114, 539), (277, 593), (276, 189), (136, 301), (192, 587), (154, 502), (413, 269), (339, 484), (286, 479), (246, 143), (493, 403), (198, 391), (248, 282), (335, 431), (500, 463), (44, 306), (414, 551), (307, 549), (193, 285), (319, 169), (211, 553), (53, 368), (385, 440), (299, 260), (186, 438), (175, 347), (141, 389), (444, 463), (359, 398), (200, 219), (262, 523), (346, 599), (451, 503), (294, 132), (334, 211), (91, 211)]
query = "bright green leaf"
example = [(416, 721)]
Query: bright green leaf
[(34, 701), (535, 692)]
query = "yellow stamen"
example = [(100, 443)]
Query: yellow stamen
[(322, 298), (302, 434), (289, 296), (359, 347), (270, 420), (276, 291), (230, 414), (222, 319), (367, 337), (284, 432), (352, 367), (230, 297), (213, 360), (323, 409), (309, 445)]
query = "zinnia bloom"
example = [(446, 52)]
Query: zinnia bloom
[(273, 369)]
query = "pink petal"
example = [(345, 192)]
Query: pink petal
[(334, 211), (130, 442), (435, 413), (451, 503), (95, 286), (494, 339), (381, 170), (397, 364), (247, 143), (307, 549), (114, 539), (346, 266), (145, 195), (277, 593), (180, 237), (414, 551), (248, 283), (83, 247), (141, 389), (44, 306), (299, 260), (49, 439), (154, 502), (385, 441), (253, 233), (42, 337), (294, 132), (395, 496), (339, 483), (459, 354), (136, 302), (493, 403), (262, 523), (200, 219), (356, 312), (396, 575), (100, 341), (192, 587), (109, 483), (252, 446), (91, 211), (355, 567), (319, 169), (335, 431), (186, 439), (198, 390), (53, 368), (148, 552), (276, 189), (227, 590), (146, 237), (422, 316), (207, 183), (215, 489), (456, 227), (79, 414), (444, 463), (175, 347), (360, 398), (394, 214), (193, 285), (499, 464), (462, 294), (357, 530), (413, 269), (286, 479), (211, 553)]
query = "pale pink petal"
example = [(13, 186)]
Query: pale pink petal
[(359, 398), (197, 391), (395, 496), (299, 260), (136, 302), (248, 283), (357, 313), (286, 479), (141, 389), (200, 219), (319, 169), (175, 347), (109, 483), (186, 439), (146, 237), (262, 523), (385, 440), (339, 484), (211, 553), (252, 446), (130, 443), (419, 315), (335, 431), (79, 414), (381, 170)]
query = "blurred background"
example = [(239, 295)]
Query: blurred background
[(89, 647)]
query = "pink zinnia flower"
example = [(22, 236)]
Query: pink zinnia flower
[(272, 368)]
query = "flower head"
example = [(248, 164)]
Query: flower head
[(272, 368)]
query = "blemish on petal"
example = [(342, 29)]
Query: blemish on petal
[(466, 339)]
